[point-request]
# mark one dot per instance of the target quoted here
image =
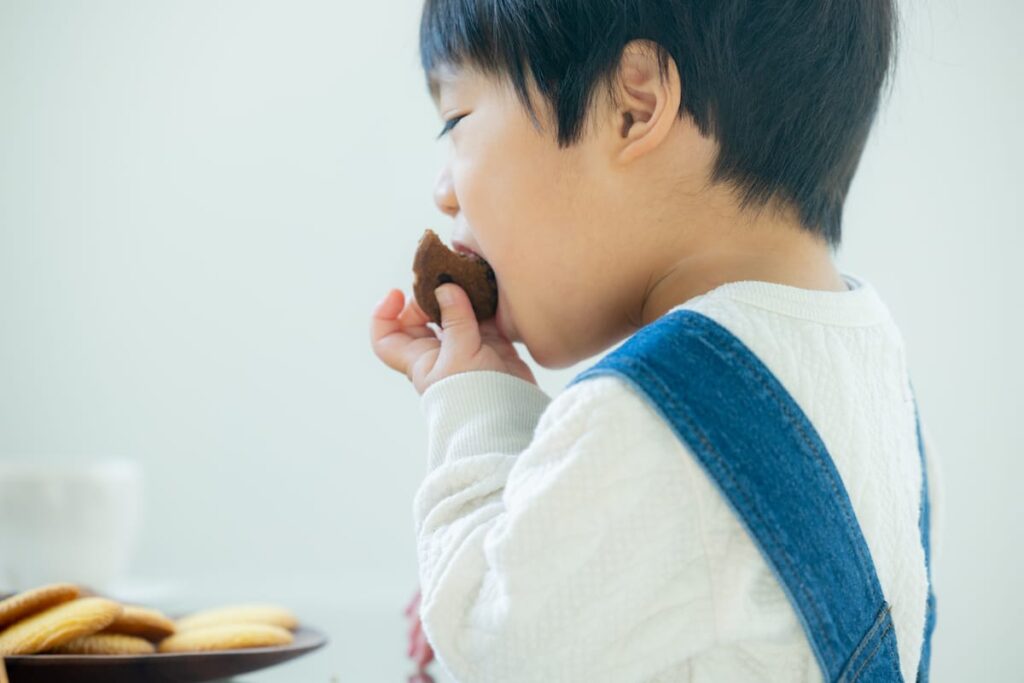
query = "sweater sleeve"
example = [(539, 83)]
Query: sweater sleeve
[(551, 535)]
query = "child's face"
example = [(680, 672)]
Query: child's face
[(550, 221)]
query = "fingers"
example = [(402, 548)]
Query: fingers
[(384, 320), (419, 648), (383, 324), (422, 652), (413, 604), (490, 333), (395, 344), (415, 320), (414, 633), (461, 333)]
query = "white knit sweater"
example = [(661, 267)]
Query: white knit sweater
[(578, 539)]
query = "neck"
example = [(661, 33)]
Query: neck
[(763, 250)]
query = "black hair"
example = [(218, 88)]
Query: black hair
[(788, 88)]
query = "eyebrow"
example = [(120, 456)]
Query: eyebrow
[(436, 78)]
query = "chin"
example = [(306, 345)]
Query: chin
[(552, 359), (557, 356)]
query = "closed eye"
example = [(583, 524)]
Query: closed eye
[(449, 124)]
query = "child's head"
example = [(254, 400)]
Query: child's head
[(601, 147)]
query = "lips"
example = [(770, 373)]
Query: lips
[(461, 248)]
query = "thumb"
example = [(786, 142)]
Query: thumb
[(462, 333)]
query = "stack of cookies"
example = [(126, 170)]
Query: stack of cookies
[(63, 618)]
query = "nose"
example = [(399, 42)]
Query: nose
[(444, 193)]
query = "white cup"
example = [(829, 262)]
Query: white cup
[(76, 522)]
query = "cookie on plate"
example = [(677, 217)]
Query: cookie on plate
[(248, 613), (143, 622), (57, 625), (35, 600), (232, 636), (105, 644)]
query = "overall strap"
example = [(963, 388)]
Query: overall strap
[(924, 524), (767, 459)]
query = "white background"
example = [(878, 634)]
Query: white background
[(200, 203)]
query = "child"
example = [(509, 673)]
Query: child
[(734, 493)]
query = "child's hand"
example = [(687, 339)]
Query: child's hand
[(401, 338), (419, 649)]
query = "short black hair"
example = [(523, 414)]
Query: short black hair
[(788, 88)]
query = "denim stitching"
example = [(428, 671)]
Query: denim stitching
[(728, 352), (871, 656), (798, 426), (868, 636)]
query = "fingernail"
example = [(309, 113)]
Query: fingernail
[(444, 296)]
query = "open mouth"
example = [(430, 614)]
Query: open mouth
[(465, 251), (461, 249)]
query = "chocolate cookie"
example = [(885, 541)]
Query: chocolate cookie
[(436, 264)]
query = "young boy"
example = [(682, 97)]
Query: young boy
[(735, 493)]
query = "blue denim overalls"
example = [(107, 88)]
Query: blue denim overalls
[(770, 464)]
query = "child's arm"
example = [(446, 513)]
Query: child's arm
[(557, 540)]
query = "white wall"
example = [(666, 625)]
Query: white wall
[(200, 202)]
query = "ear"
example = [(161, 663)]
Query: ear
[(646, 102)]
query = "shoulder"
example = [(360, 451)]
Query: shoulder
[(591, 400), (608, 413)]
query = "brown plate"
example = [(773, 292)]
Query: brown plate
[(179, 667)]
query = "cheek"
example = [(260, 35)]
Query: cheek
[(518, 195), (509, 214), (500, 188), (517, 199)]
